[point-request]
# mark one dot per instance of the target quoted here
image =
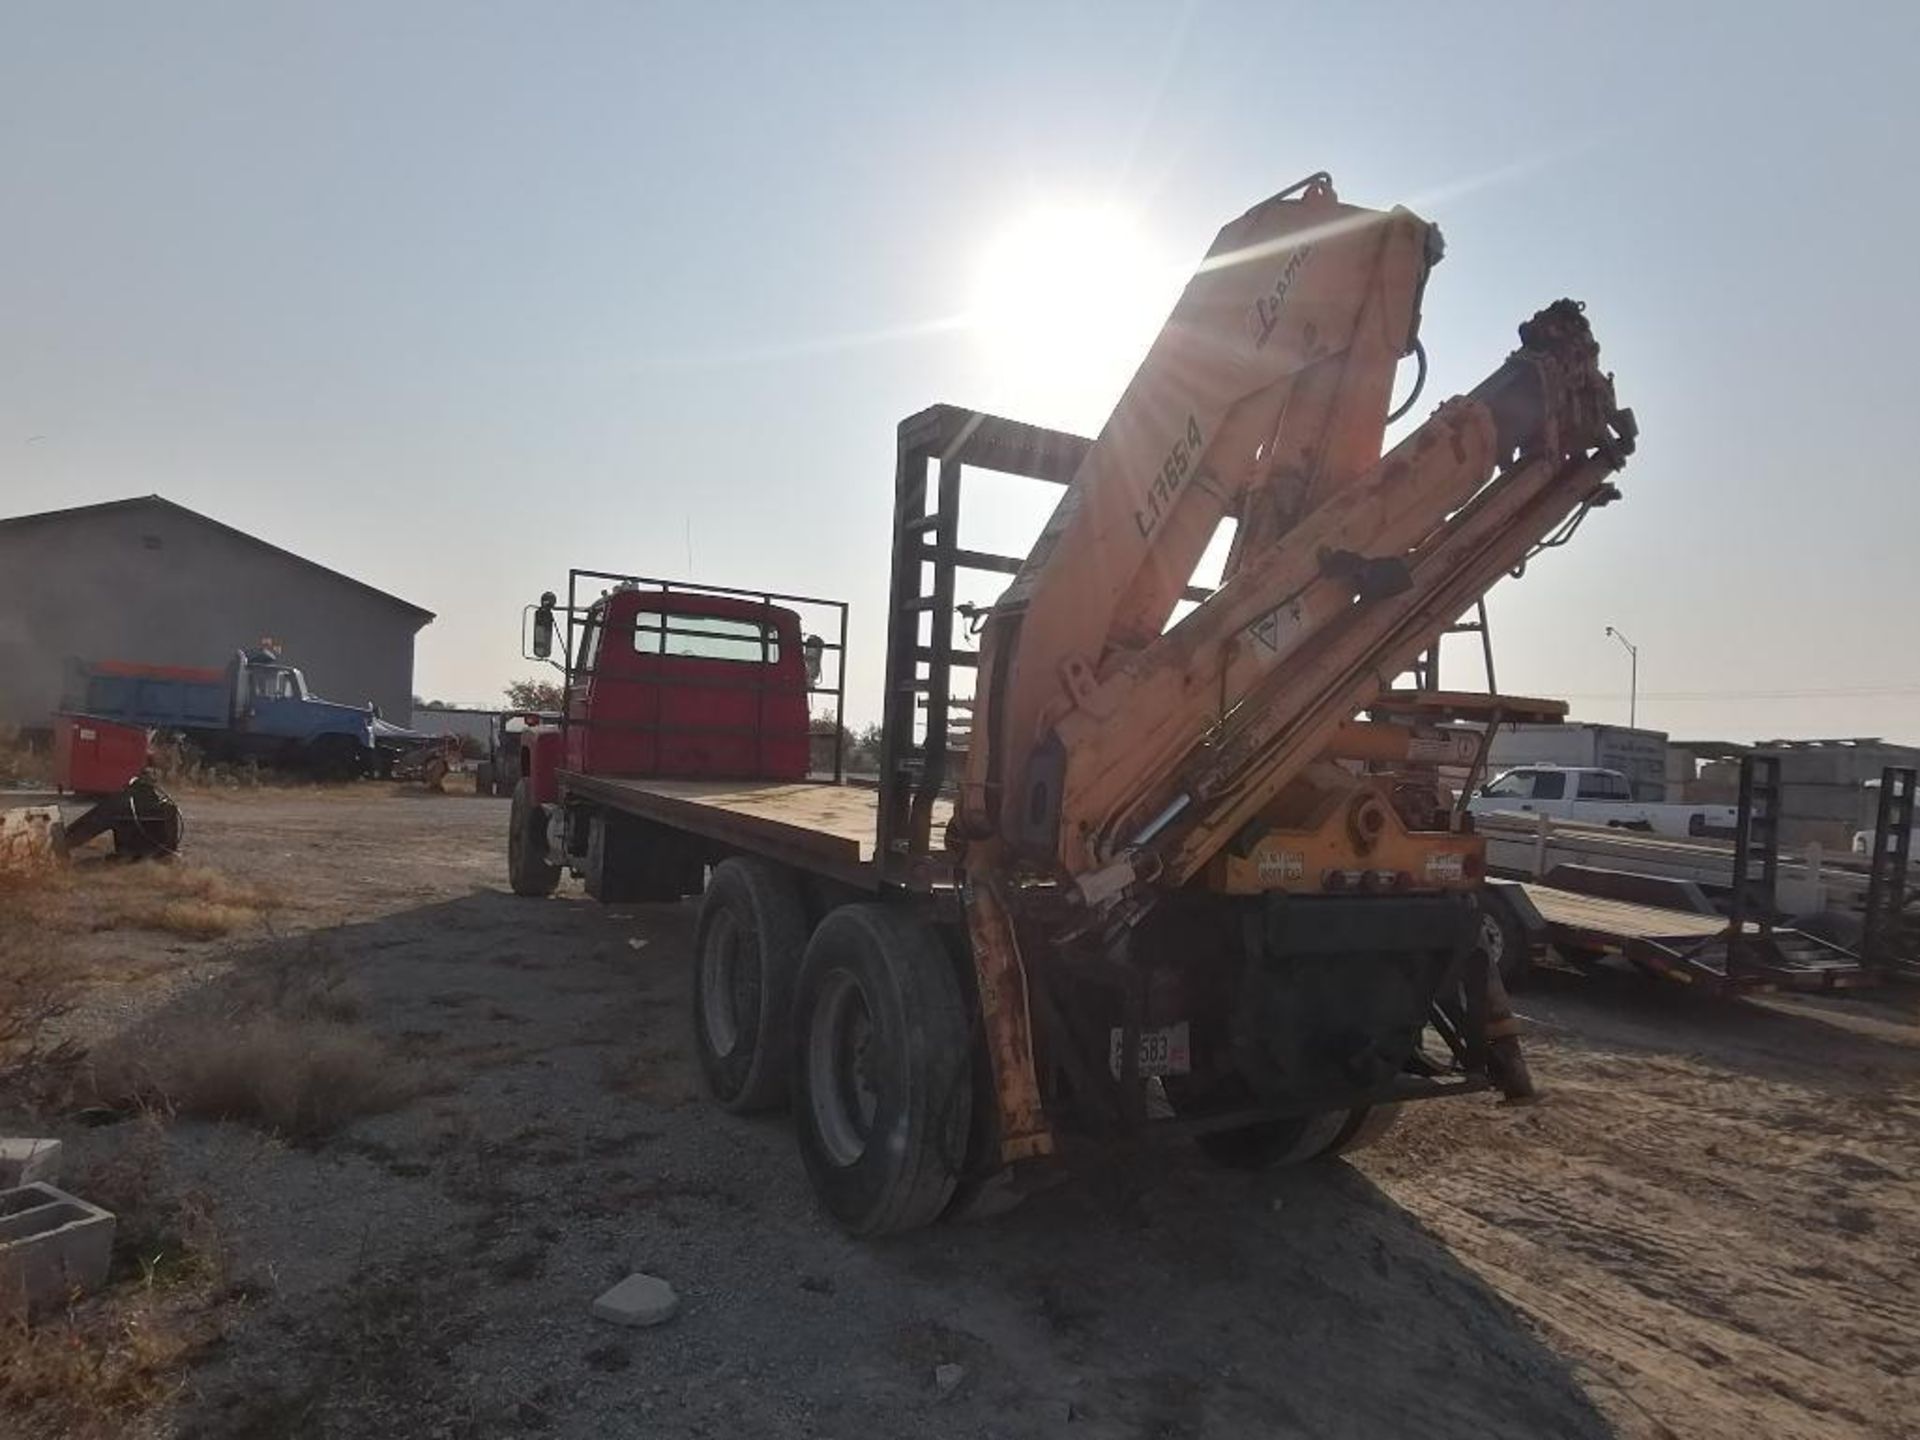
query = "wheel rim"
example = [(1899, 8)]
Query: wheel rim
[(843, 1052), (729, 985)]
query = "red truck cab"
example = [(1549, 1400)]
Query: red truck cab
[(677, 684)]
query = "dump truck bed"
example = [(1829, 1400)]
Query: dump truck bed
[(819, 826)]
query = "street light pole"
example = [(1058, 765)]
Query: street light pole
[(1633, 690)]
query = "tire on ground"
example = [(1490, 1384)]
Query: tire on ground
[(630, 862), (883, 1089), (1271, 1144), (528, 869), (1365, 1125), (338, 757), (747, 948)]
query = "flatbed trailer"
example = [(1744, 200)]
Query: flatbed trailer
[(1690, 948)]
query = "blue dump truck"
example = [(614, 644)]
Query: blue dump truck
[(257, 708)]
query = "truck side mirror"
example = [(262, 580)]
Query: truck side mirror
[(815, 650), (543, 628)]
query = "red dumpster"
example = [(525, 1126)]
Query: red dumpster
[(96, 757)]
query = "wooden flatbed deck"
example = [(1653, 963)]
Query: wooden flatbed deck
[(1620, 918), (817, 825)]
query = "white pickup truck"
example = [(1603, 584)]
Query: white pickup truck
[(1596, 797)]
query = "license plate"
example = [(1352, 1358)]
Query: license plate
[(1162, 1052)]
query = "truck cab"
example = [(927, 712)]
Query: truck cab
[(665, 683)]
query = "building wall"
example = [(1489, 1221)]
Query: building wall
[(151, 584)]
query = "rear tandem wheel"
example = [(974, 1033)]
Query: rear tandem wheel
[(883, 1085), (747, 946)]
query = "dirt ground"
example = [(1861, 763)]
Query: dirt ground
[(1707, 1228)]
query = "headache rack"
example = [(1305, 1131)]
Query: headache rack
[(579, 637)]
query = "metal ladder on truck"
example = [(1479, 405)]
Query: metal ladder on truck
[(1891, 940)]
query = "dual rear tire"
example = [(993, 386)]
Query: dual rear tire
[(865, 1024), (861, 1025)]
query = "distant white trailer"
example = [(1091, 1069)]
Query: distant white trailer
[(1640, 755)]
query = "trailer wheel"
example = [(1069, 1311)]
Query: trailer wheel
[(528, 869), (747, 946), (1503, 940), (883, 1084)]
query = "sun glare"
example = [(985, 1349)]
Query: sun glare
[(1066, 301)]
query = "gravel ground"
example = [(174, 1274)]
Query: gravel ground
[(1709, 1228)]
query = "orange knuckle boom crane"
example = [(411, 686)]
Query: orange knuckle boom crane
[(1197, 871), (1191, 819)]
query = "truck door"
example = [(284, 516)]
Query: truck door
[(275, 705), (1549, 792)]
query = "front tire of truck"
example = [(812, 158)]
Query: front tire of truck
[(338, 757), (883, 1085), (747, 947), (528, 870)]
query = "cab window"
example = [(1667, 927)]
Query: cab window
[(1604, 787), (1548, 785), (273, 685), (590, 641), (1514, 785), (705, 637)]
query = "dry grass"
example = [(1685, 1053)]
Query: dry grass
[(108, 1362), (36, 987), (276, 1049), (175, 898)]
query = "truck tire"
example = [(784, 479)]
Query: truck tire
[(338, 757), (747, 946), (1270, 1144), (630, 862), (528, 870), (883, 1085)]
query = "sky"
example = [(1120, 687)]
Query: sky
[(454, 296)]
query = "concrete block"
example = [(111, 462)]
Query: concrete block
[(23, 1159), (638, 1300), (51, 1244)]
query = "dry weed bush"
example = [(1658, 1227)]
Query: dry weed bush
[(276, 1049), (176, 898), (35, 986)]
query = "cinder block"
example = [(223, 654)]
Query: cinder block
[(51, 1245), (23, 1159)]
